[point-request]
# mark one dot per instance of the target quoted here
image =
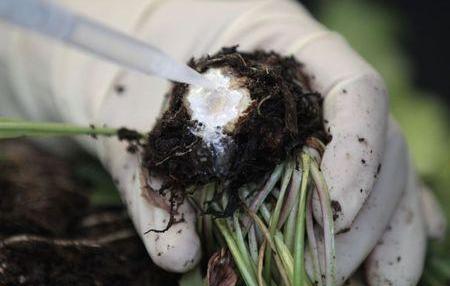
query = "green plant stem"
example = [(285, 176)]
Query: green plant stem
[(242, 245), (289, 228), (261, 263), (299, 245), (286, 257), (249, 279), (265, 213), (269, 239), (282, 271), (262, 227), (13, 129), (276, 214), (317, 279), (261, 196), (253, 244), (292, 197), (328, 223)]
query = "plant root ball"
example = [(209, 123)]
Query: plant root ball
[(261, 110)]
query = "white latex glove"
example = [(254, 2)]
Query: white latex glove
[(41, 80)]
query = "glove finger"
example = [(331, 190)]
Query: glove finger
[(176, 249), (137, 106), (399, 257), (353, 246), (355, 113), (433, 214), (173, 245)]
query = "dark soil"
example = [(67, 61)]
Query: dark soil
[(39, 261), (37, 193), (285, 113), (132, 137), (50, 235)]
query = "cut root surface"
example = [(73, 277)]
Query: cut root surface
[(261, 111)]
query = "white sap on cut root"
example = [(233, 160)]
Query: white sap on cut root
[(217, 110)]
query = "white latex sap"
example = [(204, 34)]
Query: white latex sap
[(216, 110)]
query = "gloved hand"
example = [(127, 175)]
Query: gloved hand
[(366, 166)]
